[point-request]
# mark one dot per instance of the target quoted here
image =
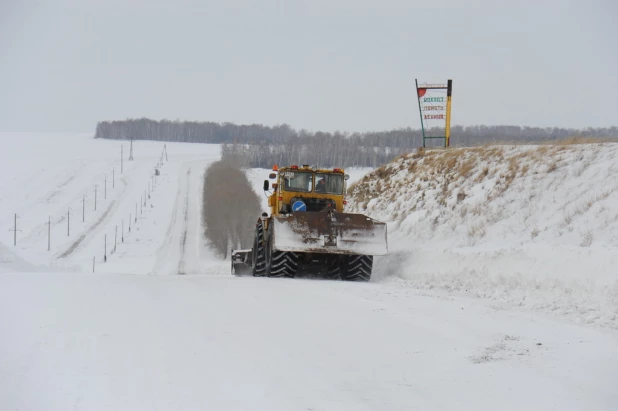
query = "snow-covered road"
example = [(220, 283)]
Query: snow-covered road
[(129, 342), (135, 335)]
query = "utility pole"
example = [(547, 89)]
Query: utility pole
[(141, 206), (131, 150), (136, 211)]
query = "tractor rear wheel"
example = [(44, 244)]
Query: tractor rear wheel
[(335, 267), (258, 265), (283, 264), (358, 268)]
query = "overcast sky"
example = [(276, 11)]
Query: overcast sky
[(318, 64)]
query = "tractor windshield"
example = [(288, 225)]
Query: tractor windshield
[(329, 183), (297, 181)]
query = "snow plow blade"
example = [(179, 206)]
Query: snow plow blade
[(241, 262), (329, 232)]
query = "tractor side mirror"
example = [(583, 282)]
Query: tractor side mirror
[(272, 176), (266, 185), (347, 177)]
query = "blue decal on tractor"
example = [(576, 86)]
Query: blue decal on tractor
[(299, 206)]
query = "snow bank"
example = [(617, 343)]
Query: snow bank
[(535, 226)]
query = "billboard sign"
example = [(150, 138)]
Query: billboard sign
[(434, 104)]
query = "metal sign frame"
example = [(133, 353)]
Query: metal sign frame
[(420, 92)]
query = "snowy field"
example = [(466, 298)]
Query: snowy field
[(46, 177), (136, 335)]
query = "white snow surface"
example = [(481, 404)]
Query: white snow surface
[(136, 335), (46, 176), (543, 237)]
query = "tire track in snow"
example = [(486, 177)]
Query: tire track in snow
[(59, 189), (180, 251), (194, 245), (185, 225), (77, 242), (176, 235), (110, 208), (163, 250)]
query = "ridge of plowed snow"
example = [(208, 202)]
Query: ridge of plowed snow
[(535, 226)]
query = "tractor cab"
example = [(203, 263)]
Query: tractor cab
[(306, 188)]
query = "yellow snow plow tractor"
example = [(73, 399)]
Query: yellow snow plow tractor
[(308, 232)]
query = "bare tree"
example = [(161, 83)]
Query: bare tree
[(231, 207)]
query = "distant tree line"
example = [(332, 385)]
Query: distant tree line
[(264, 145), (230, 207)]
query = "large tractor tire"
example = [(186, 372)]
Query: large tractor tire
[(335, 268), (358, 268), (283, 264), (258, 265)]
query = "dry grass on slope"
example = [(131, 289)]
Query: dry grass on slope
[(450, 185), (448, 167)]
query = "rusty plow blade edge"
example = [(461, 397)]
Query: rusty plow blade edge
[(329, 232)]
